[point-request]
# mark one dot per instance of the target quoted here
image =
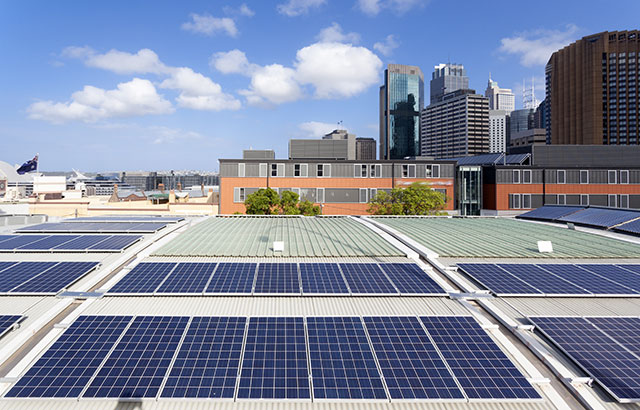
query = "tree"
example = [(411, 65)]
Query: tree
[(265, 201), (417, 199), (289, 203), (307, 207)]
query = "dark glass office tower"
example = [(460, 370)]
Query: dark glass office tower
[(401, 98)]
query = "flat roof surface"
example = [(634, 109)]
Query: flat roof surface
[(506, 238)]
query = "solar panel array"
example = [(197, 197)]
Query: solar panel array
[(125, 218), (294, 358), (41, 277), (94, 227), (600, 217), (66, 243), (632, 227), (277, 279), (550, 212), (605, 347), (7, 322), (506, 279)]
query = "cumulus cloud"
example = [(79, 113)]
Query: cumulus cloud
[(535, 47), (198, 92), (232, 62), (166, 135), (334, 34), (294, 8), (243, 10), (133, 98), (373, 7), (314, 129), (387, 46), (209, 25), (120, 62), (273, 84)]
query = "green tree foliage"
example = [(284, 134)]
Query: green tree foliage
[(266, 201), (289, 203), (307, 207), (417, 199)]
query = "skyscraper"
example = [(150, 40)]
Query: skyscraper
[(447, 78), (401, 98), (500, 98)]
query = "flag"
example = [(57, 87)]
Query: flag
[(28, 166)]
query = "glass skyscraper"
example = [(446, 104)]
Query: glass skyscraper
[(401, 99), (447, 78)]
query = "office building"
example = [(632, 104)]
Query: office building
[(592, 88), (500, 98), (338, 144), (401, 98), (365, 149), (498, 130), (447, 78), (457, 125), (521, 120), (526, 138)]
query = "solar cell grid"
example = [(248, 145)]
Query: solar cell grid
[(342, 363), (82, 242), (144, 278), (139, 362), (365, 278), (616, 369), (232, 278), (483, 370), (550, 213), (57, 278), (497, 280), (277, 278), (5, 265), (408, 278), (68, 365), (587, 280), (20, 240), (95, 227), (6, 322), (410, 363), (274, 364), (116, 242), (600, 217), (624, 330), (322, 278), (616, 274), (49, 242), (633, 268), (6, 237), (543, 280), (22, 272), (629, 227), (208, 360), (188, 278)]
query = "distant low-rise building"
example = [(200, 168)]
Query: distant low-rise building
[(365, 149)]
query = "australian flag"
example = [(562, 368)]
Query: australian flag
[(28, 166)]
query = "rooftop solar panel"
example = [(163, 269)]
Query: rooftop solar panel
[(145, 277), (208, 361), (632, 227), (612, 366), (497, 280), (133, 218), (274, 364), (20, 240), (408, 278), (342, 363), (483, 370), (600, 217), (614, 273), (543, 280), (82, 242), (49, 243), (6, 237), (116, 242), (95, 227), (550, 213), (56, 278), (7, 322), (633, 268), (366, 278), (624, 330), (232, 278), (20, 273), (68, 365), (410, 363), (188, 278), (5, 265), (588, 280), (277, 278), (139, 362), (322, 278)]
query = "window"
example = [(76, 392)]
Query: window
[(611, 200), (360, 171), (584, 199), (526, 201), (432, 171), (241, 170), (584, 176), (624, 176), (516, 176), (320, 195), (408, 171), (561, 176), (375, 171), (324, 170), (262, 169), (526, 176), (515, 201), (624, 201), (363, 195), (238, 194), (373, 192), (562, 199), (300, 170), (611, 176), (277, 170)]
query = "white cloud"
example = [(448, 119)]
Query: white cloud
[(120, 62), (294, 8), (210, 25), (198, 92), (386, 48), (133, 98), (232, 62), (373, 7), (535, 47), (334, 34), (314, 129), (337, 70), (78, 52), (273, 84), (166, 135), (246, 11)]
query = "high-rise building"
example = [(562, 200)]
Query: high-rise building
[(498, 130), (592, 90), (447, 78), (401, 99), (365, 149), (521, 120), (456, 126), (500, 98)]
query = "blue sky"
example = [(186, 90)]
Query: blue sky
[(159, 85)]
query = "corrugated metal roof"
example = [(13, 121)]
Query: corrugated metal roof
[(506, 238), (250, 236)]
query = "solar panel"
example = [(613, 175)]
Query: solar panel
[(6, 237), (277, 278), (57, 278), (624, 330), (144, 278), (48, 243), (542, 280), (342, 363), (274, 364), (483, 370), (232, 278), (616, 274), (600, 217), (116, 242), (322, 278), (5, 265), (133, 218), (20, 240), (497, 280), (17, 274), (68, 365), (139, 362), (7, 322), (408, 278), (95, 227), (550, 213), (364, 278), (629, 227), (82, 242), (591, 282), (188, 278), (208, 360), (613, 367), (410, 363)]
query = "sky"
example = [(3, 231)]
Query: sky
[(166, 85)]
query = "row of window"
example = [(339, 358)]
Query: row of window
[(612, 176), (324, 170), (523, 201)]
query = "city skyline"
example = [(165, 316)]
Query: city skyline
[(123, 87)]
